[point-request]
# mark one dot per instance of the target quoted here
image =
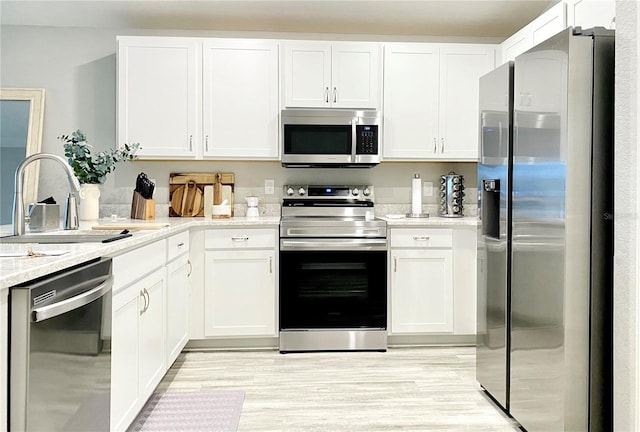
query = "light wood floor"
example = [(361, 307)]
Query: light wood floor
[(409, 389)]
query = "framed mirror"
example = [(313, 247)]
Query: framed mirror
[(21, 121)]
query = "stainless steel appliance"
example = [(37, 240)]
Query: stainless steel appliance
[(451, 195), (545, 310), (59, 351), (494, 232), (330, 138), (333, 270)]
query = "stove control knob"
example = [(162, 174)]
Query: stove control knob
[(301, 191), (355, 191), (366, 192), (290, 191)]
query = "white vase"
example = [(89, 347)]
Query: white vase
[(89, 201)]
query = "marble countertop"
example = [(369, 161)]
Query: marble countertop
[(21, 268), (431, 221)]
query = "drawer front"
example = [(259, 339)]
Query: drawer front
[(234, 238), (421, 238), (137, 263), (177, 245)]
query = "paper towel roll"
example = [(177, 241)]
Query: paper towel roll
[(416, 194)]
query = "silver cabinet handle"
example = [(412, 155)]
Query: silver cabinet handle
[(180, 245), (442, 145), (190, 142), (239, 238), (435, 145), (421, 238), (148, 299), (270, 265), (395, 264), (190, 268), (335, 94), (326, 94), (144, 299), (53, 310), (206, 142)]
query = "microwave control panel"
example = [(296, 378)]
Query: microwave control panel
[(367, 139)]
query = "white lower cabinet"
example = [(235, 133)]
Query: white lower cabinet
[(240, 283), (432, 275), (178, 293), (137, 356), (240, 293), (138, 360), (177, 315), (421, 291)]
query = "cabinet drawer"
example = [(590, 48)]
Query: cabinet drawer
[(177, 245), (421, 238), (240, 238), (135, 264)]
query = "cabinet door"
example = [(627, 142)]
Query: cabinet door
[(240, 293), (127, 305), (411, 76), (591, 13), (421, 291), (355, 75), (240, 99), (157, 96), (516, 45), (307, 74), (461, 67), (177, 307), (152, 356), (549, 23)]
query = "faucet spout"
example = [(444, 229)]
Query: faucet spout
[(18, 199)]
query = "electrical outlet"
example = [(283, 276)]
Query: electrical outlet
[(269, 186), (427, 189)]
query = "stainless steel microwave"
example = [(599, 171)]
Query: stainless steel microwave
[(330, 138)]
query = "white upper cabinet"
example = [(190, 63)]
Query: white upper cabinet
[(331, 75), (157, 95), (591, 13), (431, 100), (189, 98), (240, 99), (549, 23)]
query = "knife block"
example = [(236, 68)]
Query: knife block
[(142, 208)]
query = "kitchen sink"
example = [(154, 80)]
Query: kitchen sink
[(68, 236)]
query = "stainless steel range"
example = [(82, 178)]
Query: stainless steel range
[(333, 270)]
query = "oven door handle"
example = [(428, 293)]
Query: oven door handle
[(64, 306), (334, 244)]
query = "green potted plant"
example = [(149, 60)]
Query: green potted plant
[(92, 171)]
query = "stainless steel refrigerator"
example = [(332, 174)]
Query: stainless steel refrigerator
[(545, 236)]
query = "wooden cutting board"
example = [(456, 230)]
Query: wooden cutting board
[(186, 192)]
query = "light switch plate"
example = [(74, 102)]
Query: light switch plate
[(427, 189), (269, 186)]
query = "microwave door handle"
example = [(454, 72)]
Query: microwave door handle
[(354, 140)]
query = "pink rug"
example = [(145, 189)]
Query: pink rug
[(205, 410)]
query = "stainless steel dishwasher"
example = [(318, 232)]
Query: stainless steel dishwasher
[(60, 350)]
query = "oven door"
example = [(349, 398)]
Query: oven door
[(333, 289)]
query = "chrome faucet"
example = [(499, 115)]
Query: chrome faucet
[(18, 199)]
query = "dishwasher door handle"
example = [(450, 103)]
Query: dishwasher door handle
[(64, 306)]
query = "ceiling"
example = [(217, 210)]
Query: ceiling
[(470, 18)]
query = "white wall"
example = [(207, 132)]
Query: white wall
[(627, 229), (77, 67)]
